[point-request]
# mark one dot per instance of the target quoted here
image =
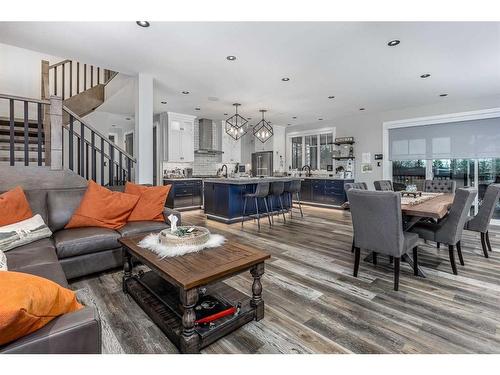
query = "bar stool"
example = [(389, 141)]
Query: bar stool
[(277, 190), (261, 191), (294, 188)]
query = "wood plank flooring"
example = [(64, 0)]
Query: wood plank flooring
[(315, 305)]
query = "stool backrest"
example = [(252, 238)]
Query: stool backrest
[(277, 188), (262, 189), (294, 186)]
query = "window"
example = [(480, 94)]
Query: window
[(325, 150), (409, 172), (459, 170), (488, 173), (311, 142), (296, 152)]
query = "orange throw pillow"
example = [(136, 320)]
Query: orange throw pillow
[(29, 302), (151, 201), (101, 207), (14, 207)]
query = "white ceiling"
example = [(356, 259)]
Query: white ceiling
[(350, 60)]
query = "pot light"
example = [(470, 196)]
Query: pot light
[(426, 75), (249, 118), (320, 119), (393, 43), (142, 23), (443, 95), (286, 79), (331, 97), (294, 117), (225, 114), (361, 109), (163, 102), (185, 92), (231, 58), (197, 108)]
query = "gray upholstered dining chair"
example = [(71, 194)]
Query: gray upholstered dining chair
[(355, 185), (383, 185), (481, 222), (378, 226), (449, 229), (440, 186)]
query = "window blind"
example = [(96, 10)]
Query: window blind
[(472, 139)]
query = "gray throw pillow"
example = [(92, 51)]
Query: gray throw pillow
[(23, 232)]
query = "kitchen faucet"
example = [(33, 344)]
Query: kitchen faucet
[(308, 174), (222, 168)]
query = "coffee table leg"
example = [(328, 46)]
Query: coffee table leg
[(257, 302), (189, 340), (127, 268)]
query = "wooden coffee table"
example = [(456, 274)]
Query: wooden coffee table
[(169, 292)]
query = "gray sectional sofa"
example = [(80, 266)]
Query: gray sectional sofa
[(68, 254)]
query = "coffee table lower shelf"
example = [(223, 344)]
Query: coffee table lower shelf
[(160, 301)]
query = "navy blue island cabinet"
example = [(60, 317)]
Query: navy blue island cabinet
[(324, 191), (224, 197)]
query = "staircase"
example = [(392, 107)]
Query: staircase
[(51, 131)]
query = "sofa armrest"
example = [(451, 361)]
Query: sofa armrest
[(78, 332), (166, 213)]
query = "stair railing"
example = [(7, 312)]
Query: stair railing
[(93, 155), (70, 77), (29, 112)]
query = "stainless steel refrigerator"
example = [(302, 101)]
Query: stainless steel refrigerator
[(262, 163)]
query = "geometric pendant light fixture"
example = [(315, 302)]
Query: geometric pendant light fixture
[(236, 125), (263, 130)]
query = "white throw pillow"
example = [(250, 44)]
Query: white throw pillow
[(3, 261), (23, 232)]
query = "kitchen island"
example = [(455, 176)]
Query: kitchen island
[(224, 197)]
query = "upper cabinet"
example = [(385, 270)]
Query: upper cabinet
[(178, 138), (231, 148)]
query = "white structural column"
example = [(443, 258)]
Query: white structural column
[(143, 137)]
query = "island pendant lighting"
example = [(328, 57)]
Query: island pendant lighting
[(263, 130), (236, 125)]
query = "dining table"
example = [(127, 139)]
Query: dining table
[(434, 206)]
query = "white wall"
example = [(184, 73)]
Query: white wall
[(366, 128)]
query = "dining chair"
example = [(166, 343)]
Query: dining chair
[(449, 229), (440, 186), (355, 185), (383, 185), (378, 226), (481, 222)]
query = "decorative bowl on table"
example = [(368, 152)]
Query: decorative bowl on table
[(185, 236)]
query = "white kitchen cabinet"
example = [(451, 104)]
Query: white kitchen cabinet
[(178, 138), (231, 148)]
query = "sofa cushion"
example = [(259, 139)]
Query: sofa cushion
[(23, 232), (38, 202), (61, 204), (28, 302), (35, 253), (79, 241), (151, 201), (138, 227), (14, 207), (51, 271)]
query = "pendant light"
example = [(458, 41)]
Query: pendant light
[(263, 130), (236, 125)]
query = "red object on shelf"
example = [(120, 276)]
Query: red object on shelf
[(219, 315)]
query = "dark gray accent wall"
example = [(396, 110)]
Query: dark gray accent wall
[(38, 178)]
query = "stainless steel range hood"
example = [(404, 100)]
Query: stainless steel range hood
[(206, 138)]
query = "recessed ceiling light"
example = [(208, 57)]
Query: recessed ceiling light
[(142, 23), (289, 124), (197, 108), (225, 114), (361, 109), (393, 43), (443, 95), (163, 102), (426, 75), (249, 118), (286, 79), (294, 117), (185, 92), (231, 58), (320, 119), (127, 118), (331, 97)]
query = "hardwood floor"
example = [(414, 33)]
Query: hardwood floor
[(315, 305)]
